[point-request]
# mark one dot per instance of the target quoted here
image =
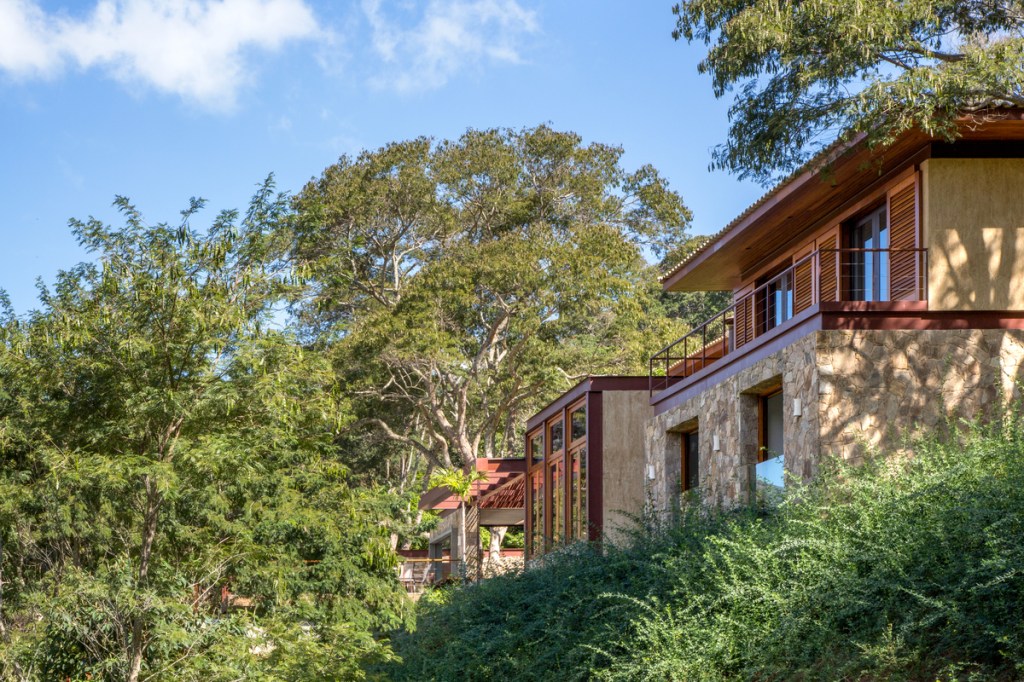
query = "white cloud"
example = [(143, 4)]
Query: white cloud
[(192, 48), (449, 36)]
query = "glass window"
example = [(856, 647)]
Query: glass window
[(578, 424), (578, 495), (868, 259), (557, 436), (537, 446), (778, 301), (557, 501), (691, 460), (537, 512), (769, 471)]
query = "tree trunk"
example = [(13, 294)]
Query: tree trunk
[(138, 644)]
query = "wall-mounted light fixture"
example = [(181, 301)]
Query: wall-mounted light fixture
[(798, 409), (715, 445), (650, 471)]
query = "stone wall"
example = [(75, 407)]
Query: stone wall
[(878, 387), (858, 390), (730, 411)]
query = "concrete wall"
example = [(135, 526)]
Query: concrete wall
[(859, 390), (973, 218), (624, 415)]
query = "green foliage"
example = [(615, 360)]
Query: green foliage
[(468, 281), (458, 481), (162, 439), (804, 72), (901, 569)]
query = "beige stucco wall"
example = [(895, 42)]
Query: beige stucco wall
[(973, 218), (860, 390), (624, 415)]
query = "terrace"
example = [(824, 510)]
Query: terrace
[(838, 284)]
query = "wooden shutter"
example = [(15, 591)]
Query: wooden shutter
[(903, 259), (828, 270), (744, 320), (803, 284)]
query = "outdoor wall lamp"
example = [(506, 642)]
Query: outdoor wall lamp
[(798, 410), (715, 445)]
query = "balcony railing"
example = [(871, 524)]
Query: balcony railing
[(828, 275)]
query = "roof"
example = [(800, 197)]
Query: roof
[(499, 489), (807, 198)]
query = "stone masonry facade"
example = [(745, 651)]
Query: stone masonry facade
[(858, 391)]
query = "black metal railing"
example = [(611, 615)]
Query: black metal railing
[(826, 275)]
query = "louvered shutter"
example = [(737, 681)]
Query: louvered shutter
[(903, 259), (744, 320), (828, 268), (803, 295)]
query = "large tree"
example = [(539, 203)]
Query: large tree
[(805, 73), (162, 439), (467, 280)]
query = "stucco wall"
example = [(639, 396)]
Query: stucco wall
[(858, 390), (624, 416), (973, 217)]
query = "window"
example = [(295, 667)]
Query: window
[(775, 302), (557, 435), (867, 266), (537, 446), (769, 467), (557, 478), (691, 461), (537, 511), (578, 525), (578, 423)]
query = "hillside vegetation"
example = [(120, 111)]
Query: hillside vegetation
[(900, 569)]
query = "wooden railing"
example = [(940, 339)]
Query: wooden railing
[(827, 275)]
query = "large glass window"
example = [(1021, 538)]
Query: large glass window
[(691, 460), (537, 511), (578, 495), (557, 501), (868, 268)]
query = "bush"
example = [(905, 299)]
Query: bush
[(905, 568)]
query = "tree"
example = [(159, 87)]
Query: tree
[(465, 281), (805, 73), (164, 442)]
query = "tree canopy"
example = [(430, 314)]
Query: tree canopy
[(805, 73), (467, 280), (164, 444)]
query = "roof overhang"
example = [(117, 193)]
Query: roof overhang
[(811, 198), (504, 487)]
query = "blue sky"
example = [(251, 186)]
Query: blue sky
[(162, 101)]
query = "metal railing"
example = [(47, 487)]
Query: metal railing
[(825, 275)]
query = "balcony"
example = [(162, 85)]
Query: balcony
[(855, 277)]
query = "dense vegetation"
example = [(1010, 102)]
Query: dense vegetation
[(212, 438), (902, 569)]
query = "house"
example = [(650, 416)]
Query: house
[(496, 500), (585, 462), (879, 297), (875, 292)]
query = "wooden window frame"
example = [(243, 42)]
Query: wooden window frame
[(762, 423), (684, 448)]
